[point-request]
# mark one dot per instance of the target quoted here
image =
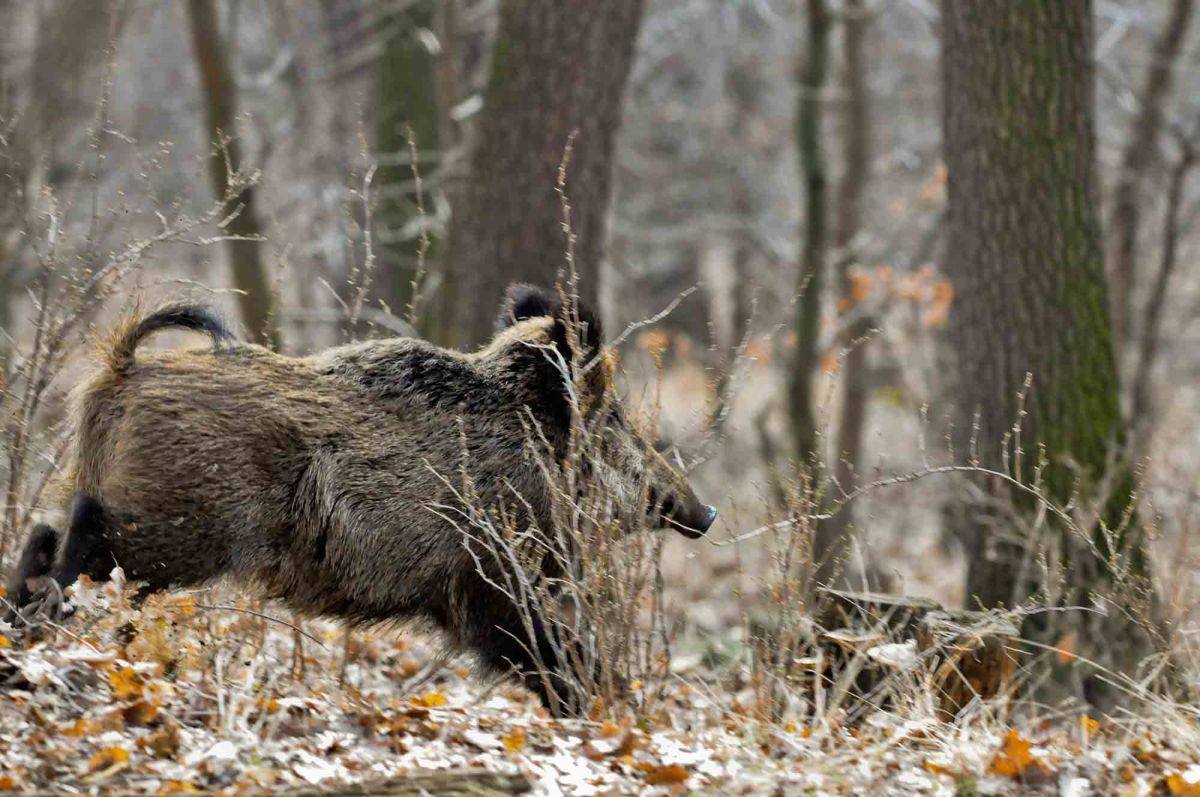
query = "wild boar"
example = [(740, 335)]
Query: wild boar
[(311, 478)]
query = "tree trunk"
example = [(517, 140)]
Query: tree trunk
[(220, 110), (558, 71), (407, 97), (832, 535), (1139, 153), (813, 246), (1024, 256)]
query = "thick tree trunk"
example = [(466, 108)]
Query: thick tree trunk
[(810, 282), (558, 73), (1126, 217), (1024, 255), (832, 535), (220, 111)]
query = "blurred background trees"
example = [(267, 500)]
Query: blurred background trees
[(789, 159)]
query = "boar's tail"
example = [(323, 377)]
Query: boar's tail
[(125, 338)]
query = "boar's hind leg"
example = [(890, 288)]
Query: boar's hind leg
[(32, 570), (84, 551)]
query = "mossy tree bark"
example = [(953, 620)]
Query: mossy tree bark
[(1024, 256), (220, 113), (558, 71)]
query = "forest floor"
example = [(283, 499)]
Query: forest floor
[(183, 695)]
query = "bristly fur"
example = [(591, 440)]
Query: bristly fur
[(317, 478)]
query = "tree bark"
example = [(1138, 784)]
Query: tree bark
[(220, 111), (1024, 255), (832, 535), (558, 73), (1126, 214), (810, 282), (407, 97)]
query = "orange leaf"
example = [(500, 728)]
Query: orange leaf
[(1180, 784), (1088, 725), (7, 782), (5, 642), (666, 775), (430, 700), (107, 758), (81, 728), (1015, 756), (514, 741), (178, 787), (125, 683)]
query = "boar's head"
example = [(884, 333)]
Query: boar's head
[(577, 376)]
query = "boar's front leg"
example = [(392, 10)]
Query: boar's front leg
[(510, 642)]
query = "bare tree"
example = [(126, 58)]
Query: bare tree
[(1126, 215), (558, 74), (831, 540), (810, 280), (243, 228)]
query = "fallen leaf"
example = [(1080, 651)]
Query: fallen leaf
[(666, 775), (125, 683), (1185, 783), (163, 743), (514, 741), (109, 760), (143, 712), (1015, 757), (430, 700), (937, 769)]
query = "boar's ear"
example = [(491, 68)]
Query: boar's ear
[(522, 302)]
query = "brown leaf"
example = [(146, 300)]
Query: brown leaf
[(163, 743), (666, 775), (142, 712)]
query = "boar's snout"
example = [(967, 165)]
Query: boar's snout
[(684, 512)]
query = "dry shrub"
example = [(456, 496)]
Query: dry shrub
[(591, 584)]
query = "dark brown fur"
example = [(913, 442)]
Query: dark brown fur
[(313, 477)]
